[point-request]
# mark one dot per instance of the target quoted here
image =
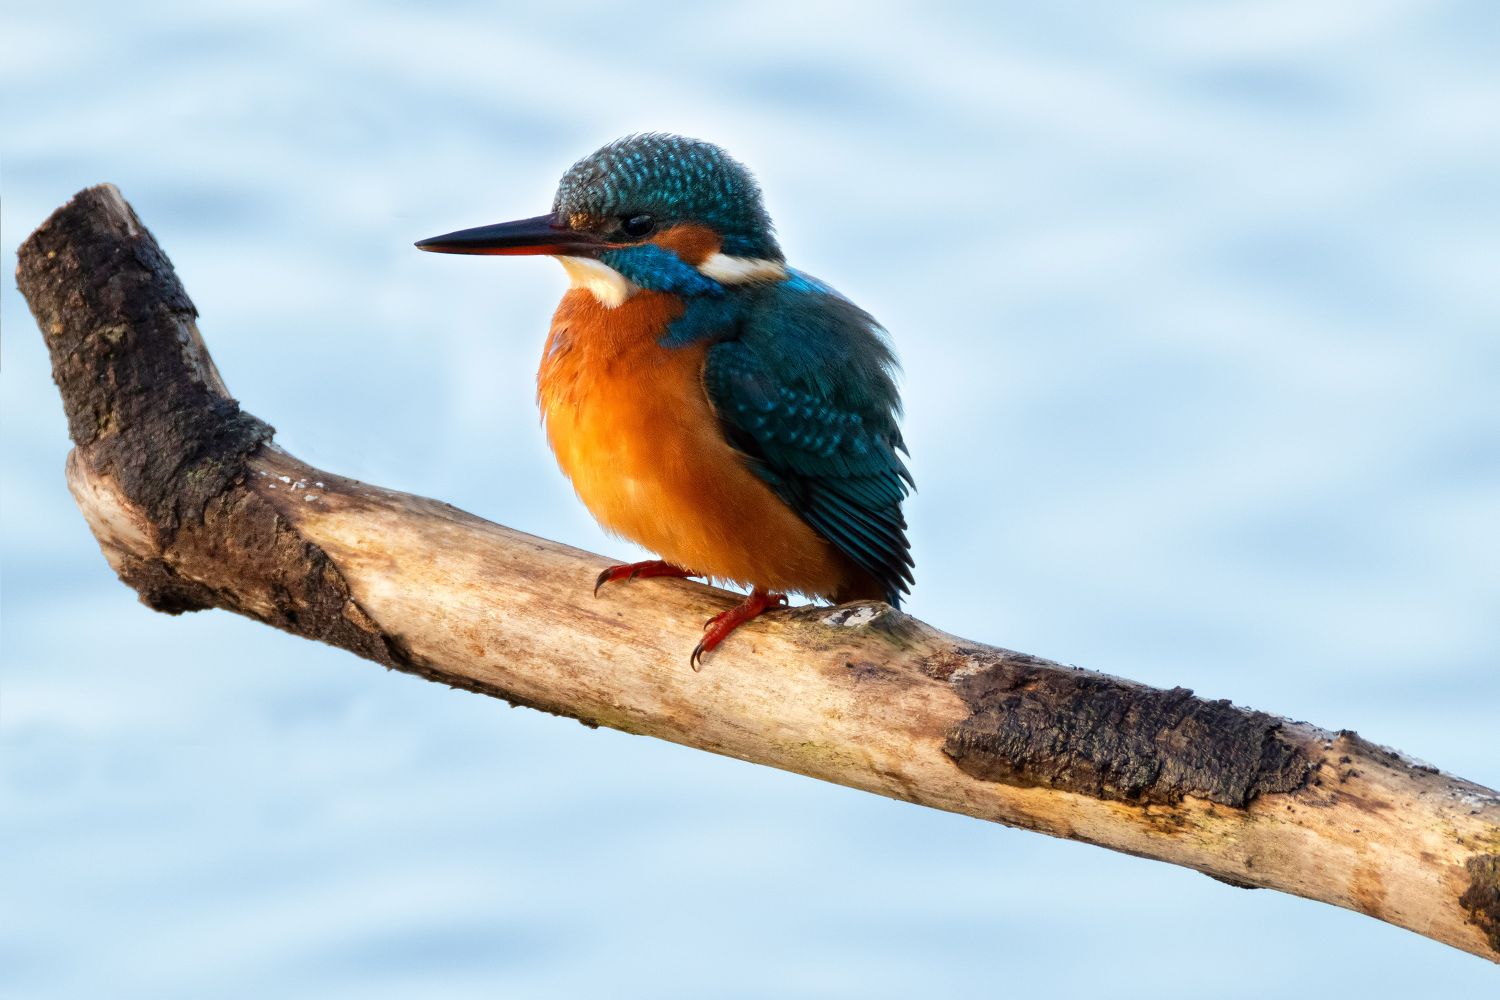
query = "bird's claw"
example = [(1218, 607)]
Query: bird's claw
[(602, 579), (720, 625), (640, 570)]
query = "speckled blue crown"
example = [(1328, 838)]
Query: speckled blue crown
[(676, 180)]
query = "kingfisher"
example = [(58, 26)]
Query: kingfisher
[(725, 411)]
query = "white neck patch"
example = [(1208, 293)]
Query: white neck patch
[(610, 287), (741, 270)]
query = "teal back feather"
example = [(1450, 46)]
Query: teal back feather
[(803, 383)]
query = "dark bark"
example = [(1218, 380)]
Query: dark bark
[(1482, 897), (148, 411), (1036, 723)]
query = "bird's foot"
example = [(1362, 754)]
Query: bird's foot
[(639, 571), (720, 625)]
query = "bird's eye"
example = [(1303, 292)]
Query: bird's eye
[(636, 226)]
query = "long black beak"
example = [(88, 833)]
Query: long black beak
[(545, 234)]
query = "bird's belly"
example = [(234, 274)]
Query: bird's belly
[(644, 451)]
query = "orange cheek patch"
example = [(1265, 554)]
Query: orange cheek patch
[(690, 241)]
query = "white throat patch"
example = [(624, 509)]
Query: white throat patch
[(609, 286), (741, 270)]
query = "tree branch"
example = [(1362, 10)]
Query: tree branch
[(195, 507)]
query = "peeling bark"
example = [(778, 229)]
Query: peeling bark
[(195, 507)]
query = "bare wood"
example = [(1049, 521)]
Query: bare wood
[(194, 507)]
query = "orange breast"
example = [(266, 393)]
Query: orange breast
[(632, 427)]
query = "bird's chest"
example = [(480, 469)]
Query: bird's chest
[(628, 419)]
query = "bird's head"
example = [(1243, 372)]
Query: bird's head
[(647, 211)]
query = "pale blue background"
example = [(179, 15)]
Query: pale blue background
[(1199, 310)]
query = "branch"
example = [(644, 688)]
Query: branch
[(195, 507)]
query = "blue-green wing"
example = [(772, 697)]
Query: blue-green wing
[(806, 392)]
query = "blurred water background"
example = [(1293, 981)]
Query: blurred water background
[(1198, 307)]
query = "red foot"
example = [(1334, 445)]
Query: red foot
[(720, 625), (639, 571)]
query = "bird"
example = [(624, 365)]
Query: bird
[(724, 410)]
